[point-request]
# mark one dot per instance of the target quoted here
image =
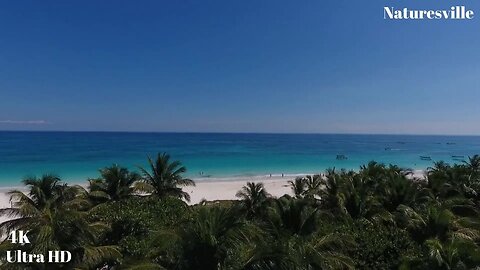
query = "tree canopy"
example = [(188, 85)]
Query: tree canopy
[(379, 217)]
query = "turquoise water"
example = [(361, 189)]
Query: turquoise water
[(76, 156)]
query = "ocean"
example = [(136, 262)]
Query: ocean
[(77, 156)]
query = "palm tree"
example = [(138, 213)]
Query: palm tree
[(46, 192), (207, 240), (253, 196), (473, 165), (313, 185), (164, 177), (330, 191), (313, 252), (439, 167), (445, 181), (42, 191), (116, 183), (437, 221), (306, 186), (357, 199), (293, 241), (398, 190), (373, 169), (293, 217), (455, 254), (55, 217), (298, 187), (325, 252)]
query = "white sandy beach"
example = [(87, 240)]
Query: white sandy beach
[(209, 189), (4, 201), (226, 189), (216, 189)]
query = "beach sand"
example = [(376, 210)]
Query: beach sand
[(4, 201), (209, 189), (215, 189), (226, 189)]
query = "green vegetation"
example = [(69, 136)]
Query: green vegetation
[(380, 217)]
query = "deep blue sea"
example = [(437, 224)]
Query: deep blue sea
[(76, 156)]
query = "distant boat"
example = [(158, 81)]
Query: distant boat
[(341, 157), (203, 175), (425, 158), (458, 158), (451, 143), (388, 148)]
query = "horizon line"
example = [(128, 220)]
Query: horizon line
[(241, 132)]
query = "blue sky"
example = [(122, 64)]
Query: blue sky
[(237, 66)]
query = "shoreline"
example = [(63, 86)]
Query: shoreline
[(210, 188), (419, 173)]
